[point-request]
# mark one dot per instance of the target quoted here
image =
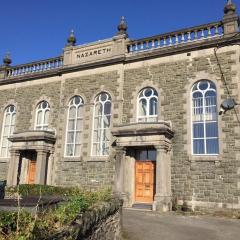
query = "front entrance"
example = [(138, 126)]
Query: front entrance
[(31, 171)]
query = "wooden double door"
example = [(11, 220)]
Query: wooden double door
[(144, 181)]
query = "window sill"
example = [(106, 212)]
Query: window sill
[(205, 158), (98, 159), (4, 159), (72, 159)]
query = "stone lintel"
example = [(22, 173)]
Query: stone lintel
[(140, 129)]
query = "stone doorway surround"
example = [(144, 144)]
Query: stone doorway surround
[(42, 142), (154, 134)]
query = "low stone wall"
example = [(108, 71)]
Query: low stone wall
[(101, 222)]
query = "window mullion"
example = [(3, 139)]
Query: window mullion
[(204, 123)]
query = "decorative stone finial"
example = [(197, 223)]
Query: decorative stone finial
[(71, 39), (7, 59), (122, 27), (230, 8)]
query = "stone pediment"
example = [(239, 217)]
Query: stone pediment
[(135, 129), (143, 134), (33, 140)]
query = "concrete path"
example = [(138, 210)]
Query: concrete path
[(139, 225)]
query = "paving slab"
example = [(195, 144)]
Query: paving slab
[(142, 225)]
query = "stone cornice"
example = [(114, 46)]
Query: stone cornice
[(129, 57)]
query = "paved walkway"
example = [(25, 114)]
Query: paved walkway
[(139, 225)]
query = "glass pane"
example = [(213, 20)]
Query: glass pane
[(7, 119), (105, 148), (79, 124), (198, 146), (12, 130), (97, 122), (211, 129), (212, 146), (152, 155), (80, 111), (203, 85), (46, 117), (211, 113), (77, 150), (13, 119), (103, 97), (69, 150), (210, 100), (153, 106), (107, 108), (71, 125), (72, 112), (148, 92), (106, 135), (142, 107), (78, 137), (44, 104), (97, 136), (96, 149), (77, 100), (39, 117), (106, 121), (197, 95), (70, 137), (98, 109), (198, 130)]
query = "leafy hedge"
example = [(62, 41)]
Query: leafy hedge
[(22, 225), (44, 190)]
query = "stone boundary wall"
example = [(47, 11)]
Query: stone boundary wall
[(101, 222)]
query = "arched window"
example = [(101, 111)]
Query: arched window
[(102, 121), (147, 105), (7, 129), (204, 118), (42, 115), (74, 127)]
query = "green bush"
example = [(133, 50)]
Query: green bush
[(49, 222)]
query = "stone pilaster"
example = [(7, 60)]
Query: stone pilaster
[(13, 168), (162, 199), (119, 170), (41, 168)]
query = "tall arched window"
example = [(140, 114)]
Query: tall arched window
[(102, 121), (42, 115), (204, 118), (147, 105), (74, 127), (7, 129)]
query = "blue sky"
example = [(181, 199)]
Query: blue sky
[(33, 30)]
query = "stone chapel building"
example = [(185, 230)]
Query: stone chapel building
[(139, 116)]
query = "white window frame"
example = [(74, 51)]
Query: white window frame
[(205, 138), (102, 129), (75, 130), (148, 117), (11, 127), (42, 125)]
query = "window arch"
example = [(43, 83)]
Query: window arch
[(204, 118), (101, 126), (74, 127), (147, 105), (42, 116), (7, 129)]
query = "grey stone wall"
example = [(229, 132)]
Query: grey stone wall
[(205, 179), (102, 222)]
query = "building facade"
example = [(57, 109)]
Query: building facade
[(138, 116)]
